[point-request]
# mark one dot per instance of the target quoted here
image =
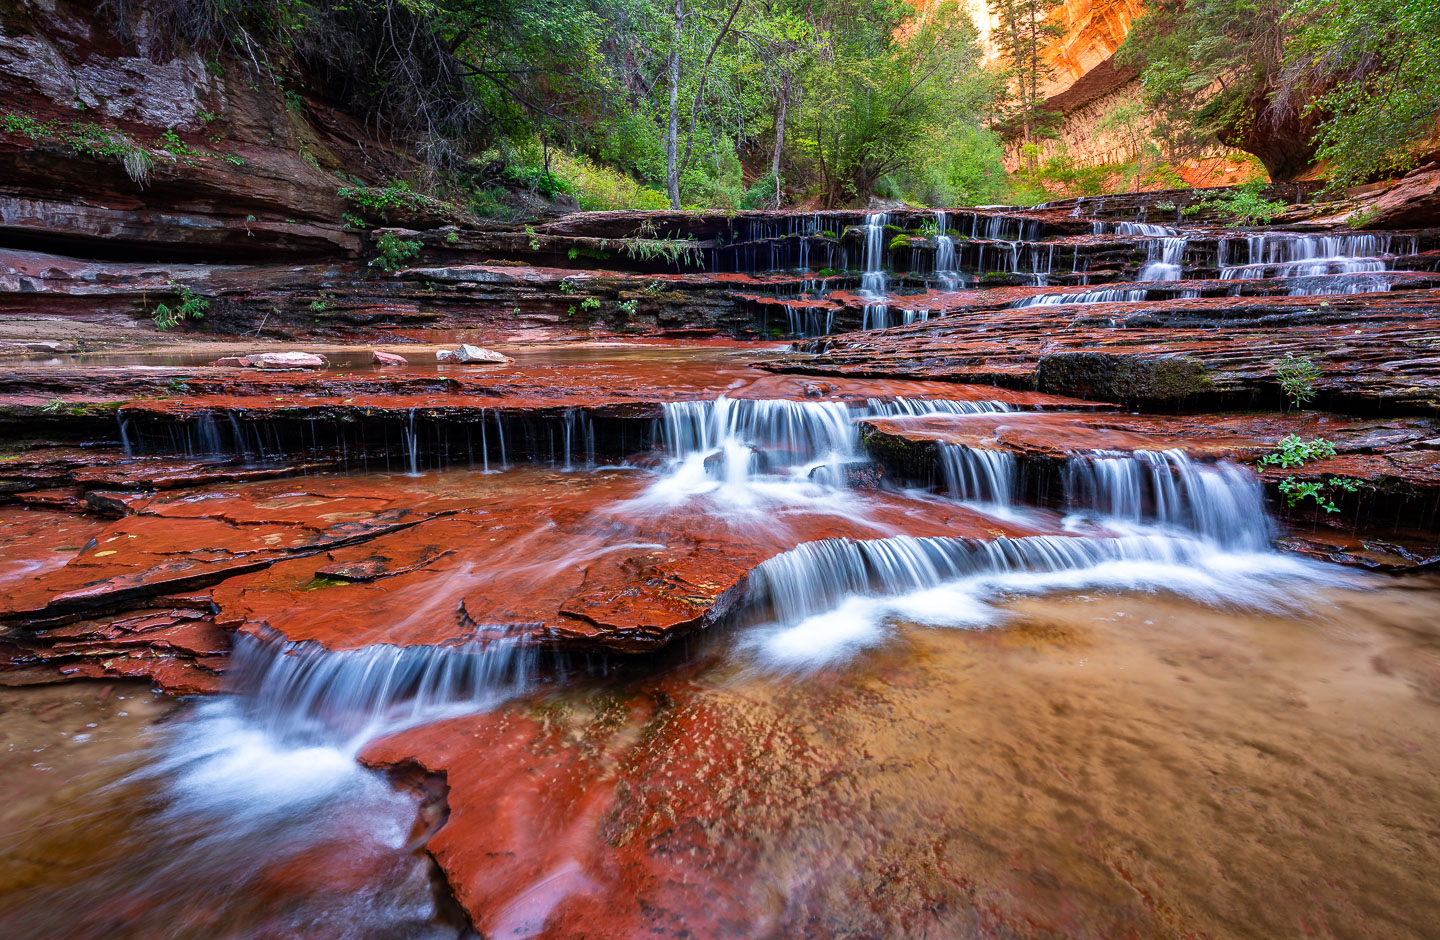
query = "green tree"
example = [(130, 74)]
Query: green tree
[(1378, 64), (1023, 29), (880, 87)]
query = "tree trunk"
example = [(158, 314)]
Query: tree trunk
[(672, 132), (782, 107)]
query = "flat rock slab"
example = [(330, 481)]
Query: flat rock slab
[(560, 559), (1242, 437), (1372, 350)]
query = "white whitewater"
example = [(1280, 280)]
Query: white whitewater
[(754, 454), (1221, 503), (872, 272), (982, 475), (1288, 255), (824, 601), (945, 272)]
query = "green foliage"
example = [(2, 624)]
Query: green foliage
[(1362, 70), (1375, 64), (566, 287), (589, 303), (677, 251), (1023, 31), (1243, 205), (597, 187), (1297, 491), (964, 166), (874, 105), (1295, 451), (394, 253), (654, 289), (628, 308), (1297, 378), (87, 139), (191, 306), (1362, 218), (171, 143), (394, 197), (538, 180)]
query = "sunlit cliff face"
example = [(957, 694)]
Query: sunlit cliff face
[(1094, 30)]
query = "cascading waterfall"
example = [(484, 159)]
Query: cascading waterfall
[(872, 276), (747, 443), (1288, 255), (304, 694), (978, 474), (1111, 295), (1220, 502), (825, 599), (945, 271)]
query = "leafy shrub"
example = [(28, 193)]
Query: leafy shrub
[(538, 180), (599, 187), (393, 197), (627, 308), (1297, 378), (394, 253), (1243, 205), (192, 306), (1294, 451), (761, 194), (1297, 491)]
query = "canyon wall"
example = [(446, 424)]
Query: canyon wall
[(1085, 82)]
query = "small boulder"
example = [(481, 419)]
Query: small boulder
[(287, 360), (238, 362), (387, 359), (467, 353)]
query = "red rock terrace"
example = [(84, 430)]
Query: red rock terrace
[(708, 574)]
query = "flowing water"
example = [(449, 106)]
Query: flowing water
[(932, 711)]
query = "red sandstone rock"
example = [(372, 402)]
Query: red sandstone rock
[(467, 353), (387, 359), (286, 360), (1413, 202), (232, 361)]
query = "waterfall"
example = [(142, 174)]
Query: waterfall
[(945, 254), (1163, 259), (872, 276), (412, 445), (304, 693), (825, 599), (1112, 295), (1288, 255), (1220, 502), (978, 474), (753, 448)]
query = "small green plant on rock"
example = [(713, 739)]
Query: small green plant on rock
[(589, 303), (394, 252), (654, 289), (1245, 205), (1297, 376), (1361, 218), (1294, 451), (566, 287), (192, 306), (1297, 491), (628, 308), (452, 238)]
